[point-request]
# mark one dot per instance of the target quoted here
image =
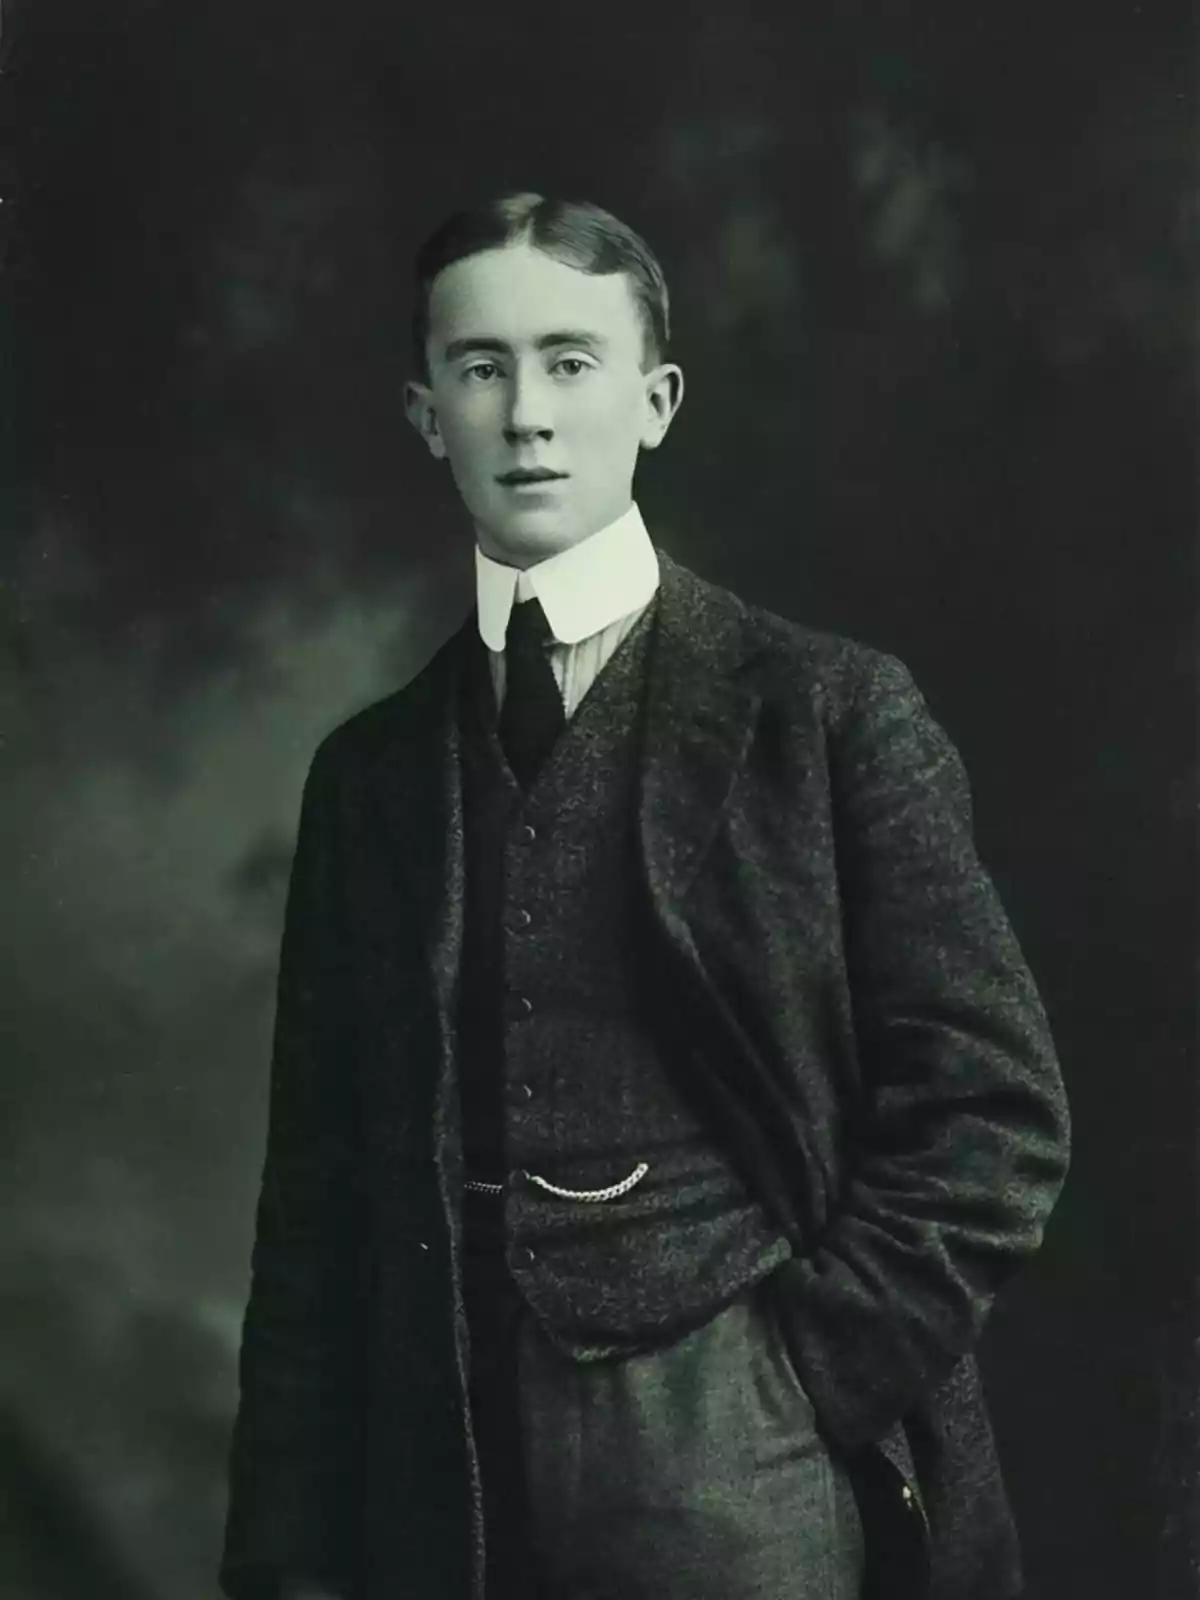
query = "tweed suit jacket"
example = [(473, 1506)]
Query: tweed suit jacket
[(852, 1006)]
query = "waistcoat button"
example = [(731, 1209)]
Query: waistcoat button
[(528, 833), (518, 1005)]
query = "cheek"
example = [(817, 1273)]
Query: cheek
[(610, 423), (464, 435)]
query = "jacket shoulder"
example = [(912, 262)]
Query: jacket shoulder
[(836, 671), (382, 723)]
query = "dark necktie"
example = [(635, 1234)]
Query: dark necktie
[(533, 713)]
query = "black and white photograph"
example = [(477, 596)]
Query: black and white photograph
[(599, 786)]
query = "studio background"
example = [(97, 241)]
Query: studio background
[(932, 274)]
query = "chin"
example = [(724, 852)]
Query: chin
[(535, 530)]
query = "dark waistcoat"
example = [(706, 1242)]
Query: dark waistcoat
[(564, 1071)]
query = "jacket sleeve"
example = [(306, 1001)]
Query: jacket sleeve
[(963, 1141), (295, 1448)]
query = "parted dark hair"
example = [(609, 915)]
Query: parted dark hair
[(575, 232)]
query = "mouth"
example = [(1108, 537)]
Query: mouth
[(522, 476)]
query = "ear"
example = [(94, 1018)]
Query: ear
[(419, 408), (664, 396)]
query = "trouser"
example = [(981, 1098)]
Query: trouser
[(691, 1472)]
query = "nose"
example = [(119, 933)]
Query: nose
[(529, 406)]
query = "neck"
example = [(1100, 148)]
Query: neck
[(521, 559)]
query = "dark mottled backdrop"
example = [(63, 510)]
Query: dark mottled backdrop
[(933, 274)]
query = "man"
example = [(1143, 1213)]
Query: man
[(659, 1097)]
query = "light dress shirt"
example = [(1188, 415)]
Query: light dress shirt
[(592, 593)]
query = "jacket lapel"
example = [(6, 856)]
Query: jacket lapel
[(420, 794), (700, 716)]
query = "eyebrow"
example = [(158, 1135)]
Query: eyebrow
[(548, 341)]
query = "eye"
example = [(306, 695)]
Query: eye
[(572, 361), (478, 366)]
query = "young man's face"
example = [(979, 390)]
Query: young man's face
[(536, 364)]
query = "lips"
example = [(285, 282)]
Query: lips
[(530, 475)]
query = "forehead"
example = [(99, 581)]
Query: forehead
[(516, 293)]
